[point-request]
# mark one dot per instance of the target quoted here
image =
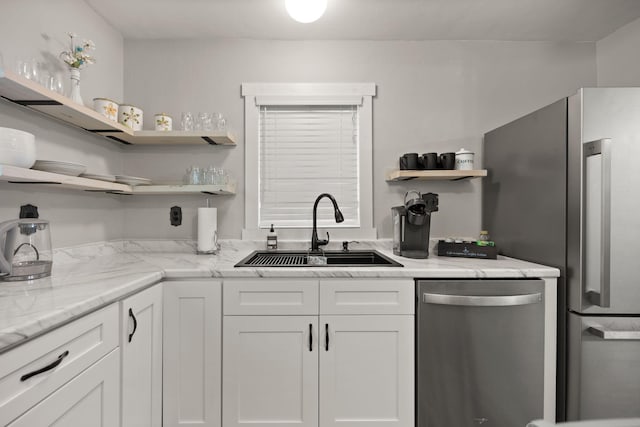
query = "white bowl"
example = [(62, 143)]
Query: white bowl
[(17, 148)]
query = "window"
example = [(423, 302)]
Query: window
[(303, 140)]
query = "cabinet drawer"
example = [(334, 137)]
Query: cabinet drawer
[(367, 296), (270, 296), (78, 344)]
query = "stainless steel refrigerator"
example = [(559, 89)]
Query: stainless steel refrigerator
[(563, 189)]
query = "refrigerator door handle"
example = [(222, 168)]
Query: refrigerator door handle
[(610, 334), (600, 147), (481, 301)]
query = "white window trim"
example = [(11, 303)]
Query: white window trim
[(360, 94)]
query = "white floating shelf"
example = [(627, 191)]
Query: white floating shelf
[(24, 176), (434, 175), (221, 190), (27, 177), (25, 92), (151, 137), (20, 90)]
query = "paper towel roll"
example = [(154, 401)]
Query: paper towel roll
[(207, 230)]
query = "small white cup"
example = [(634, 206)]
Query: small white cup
[(130, 116), (106, 107), (163, 122)]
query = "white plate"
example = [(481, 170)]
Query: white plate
[(64, 168), (132, 180), (107, 178)]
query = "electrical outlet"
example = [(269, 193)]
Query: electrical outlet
[(175, 215)]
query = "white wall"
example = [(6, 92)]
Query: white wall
[(37, 29), (618, 57), (432, 96)]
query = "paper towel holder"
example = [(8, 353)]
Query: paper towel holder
[(205, 240)]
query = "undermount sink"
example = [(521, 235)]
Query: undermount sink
[(368, 258)]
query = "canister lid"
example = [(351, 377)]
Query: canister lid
[(104, 99), (163, 114), (463, 151)]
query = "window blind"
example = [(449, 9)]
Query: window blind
[(306, 150)]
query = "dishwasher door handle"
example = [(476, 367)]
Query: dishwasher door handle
[(610, 334), (481, 301)]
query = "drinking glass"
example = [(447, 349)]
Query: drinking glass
[(186, 122), (194, 176), (205, 121), (220, 123), (210, 175), (24, 68), (36, 72)]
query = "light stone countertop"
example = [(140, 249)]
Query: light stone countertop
[(89, 277)]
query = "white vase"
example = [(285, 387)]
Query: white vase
[(75, 86)]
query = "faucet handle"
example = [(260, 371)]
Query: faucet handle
[(322, 242)]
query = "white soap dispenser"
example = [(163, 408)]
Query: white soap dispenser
[(272, 239)]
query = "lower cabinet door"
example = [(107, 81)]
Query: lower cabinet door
[(191, 351), (270, 374), (141, 348), (91, 399), (367, 371)]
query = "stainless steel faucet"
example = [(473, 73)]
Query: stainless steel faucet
[(315, 242)]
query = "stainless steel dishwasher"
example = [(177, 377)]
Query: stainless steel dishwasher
[(480, 352)]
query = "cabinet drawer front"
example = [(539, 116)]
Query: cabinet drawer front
[(367, 296), (86, 340), (269, 296), (90, 399)]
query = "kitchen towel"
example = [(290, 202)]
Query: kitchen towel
[(207, 230)]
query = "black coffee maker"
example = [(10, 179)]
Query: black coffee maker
[(411, 224)]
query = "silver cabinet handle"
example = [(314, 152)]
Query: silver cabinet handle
[(609, 334), (603, 148), (481, 301)]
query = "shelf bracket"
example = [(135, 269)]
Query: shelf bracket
[(33, 182), (115, 138), (43, 102), (209, 140)]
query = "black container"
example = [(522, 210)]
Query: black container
[(447, 160), (466, 250), (409, 161), (430, 161)]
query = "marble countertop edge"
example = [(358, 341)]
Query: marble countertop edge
[(92, 276)]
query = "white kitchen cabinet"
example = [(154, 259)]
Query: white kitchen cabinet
[(366, 371), (141, 350), (36, 369), (354, 337), (91, 399), (271, 371), (192, 364)]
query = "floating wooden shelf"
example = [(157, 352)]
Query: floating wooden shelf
[(24, 176), (151, 137), (220, 190), (25, 92), (29, 177), (434, 175)]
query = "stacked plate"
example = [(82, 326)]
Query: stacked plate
[(64, 168), (107, 178), (132, 180)]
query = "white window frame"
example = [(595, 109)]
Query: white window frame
[(308, 94)]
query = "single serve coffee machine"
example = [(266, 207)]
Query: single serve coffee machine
[(411, 224)]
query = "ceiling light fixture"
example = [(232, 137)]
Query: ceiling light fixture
[(306, 11)]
